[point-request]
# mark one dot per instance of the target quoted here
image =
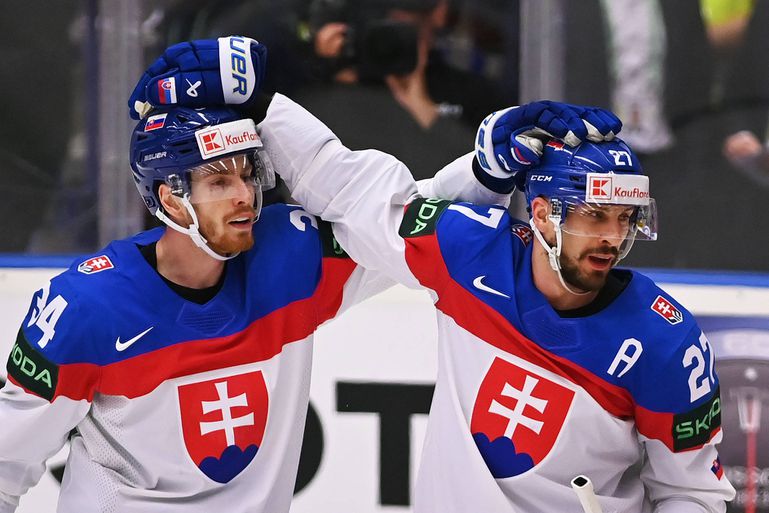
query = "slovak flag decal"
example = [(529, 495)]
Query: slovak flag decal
[(167, 90), (223, 422), (668, 312), (517, 418)]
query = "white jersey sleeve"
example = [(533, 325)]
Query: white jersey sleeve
[(36, 417), (363, 193)]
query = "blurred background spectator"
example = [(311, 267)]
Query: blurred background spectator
[(414, 78), (392, 61)]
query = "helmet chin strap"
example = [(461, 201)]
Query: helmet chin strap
[(193, 230), (554, 253)]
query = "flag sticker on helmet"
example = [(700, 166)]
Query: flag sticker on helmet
[(617, 188), (155, 122), (228, 138), (167, 90)]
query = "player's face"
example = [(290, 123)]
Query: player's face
[(223, 194), (592, 237)]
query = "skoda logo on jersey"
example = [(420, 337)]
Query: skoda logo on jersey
[(223, 422), (517, 418)]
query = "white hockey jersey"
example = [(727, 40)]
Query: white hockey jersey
[(171, 405), (525, 399)]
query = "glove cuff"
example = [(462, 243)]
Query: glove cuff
[(484, 147), (499, 185)]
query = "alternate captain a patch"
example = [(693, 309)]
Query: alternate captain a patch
[(223, 422), (517, 418)]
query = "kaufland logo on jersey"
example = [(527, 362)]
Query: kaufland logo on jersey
[(228, 138), (517, 418), (667, 310), (95, 265), (223, 422), (615, 188)]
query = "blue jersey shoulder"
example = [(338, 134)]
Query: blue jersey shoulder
[(87, 313), (661, 356), (466, 232), (74, 309), (483, 247)]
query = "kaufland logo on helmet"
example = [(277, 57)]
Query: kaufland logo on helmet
[(227, 138), (211, 142), (599, 188), (242, 138), (635, 192), (617, 188)]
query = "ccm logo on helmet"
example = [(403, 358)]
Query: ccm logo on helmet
[(540, 178)]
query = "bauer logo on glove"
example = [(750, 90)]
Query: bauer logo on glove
[(225, 71)]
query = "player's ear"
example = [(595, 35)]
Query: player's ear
[(171, 204), (540, 209)]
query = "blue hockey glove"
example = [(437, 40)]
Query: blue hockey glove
[(511, 140), (228, 70), (601, 124)]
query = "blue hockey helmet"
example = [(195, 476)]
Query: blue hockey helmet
[(590, 175), (173, 145), (589, 180), (168, 145)]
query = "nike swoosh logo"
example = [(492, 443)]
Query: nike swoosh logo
[(478, 283), (193, 89), (122, 346)]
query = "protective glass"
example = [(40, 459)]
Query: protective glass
[(232, 177), (609, 221), (619, 225)]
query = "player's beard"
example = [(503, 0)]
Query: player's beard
[(224, 239), (586, 280)]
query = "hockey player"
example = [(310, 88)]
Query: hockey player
[(177, 361), (553, 362)]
